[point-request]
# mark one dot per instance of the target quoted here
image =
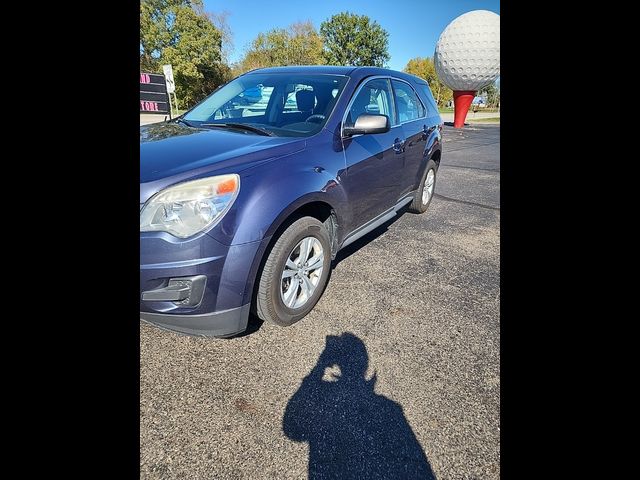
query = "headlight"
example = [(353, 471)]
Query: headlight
[(188, 208)]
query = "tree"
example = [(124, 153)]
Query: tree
[(298, 44), (180, 33), (492, 93), (219, 20), (351, 39), (424, 68)]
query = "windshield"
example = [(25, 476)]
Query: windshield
[(281, 104)]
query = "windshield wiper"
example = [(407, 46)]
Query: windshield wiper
[(182, 120), (251, 128)]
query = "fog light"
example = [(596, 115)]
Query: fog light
[(182, 291)]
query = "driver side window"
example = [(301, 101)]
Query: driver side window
[(373, 98)]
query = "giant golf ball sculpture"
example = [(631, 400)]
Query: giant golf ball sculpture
[(467, 57)]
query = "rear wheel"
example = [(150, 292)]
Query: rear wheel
[(295, 273), (424, 193)]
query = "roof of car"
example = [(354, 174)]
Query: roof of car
[(327, 69), (360, 72)]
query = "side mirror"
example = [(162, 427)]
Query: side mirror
[(368, 123)]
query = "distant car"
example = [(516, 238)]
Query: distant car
[(243, 207), (253, 95), (478, 102)]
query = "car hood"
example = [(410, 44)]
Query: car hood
[(172, 152)]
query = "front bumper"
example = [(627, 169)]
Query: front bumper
[(217, 324), (222, 308)]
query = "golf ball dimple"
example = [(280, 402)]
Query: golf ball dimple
[(472, 39)]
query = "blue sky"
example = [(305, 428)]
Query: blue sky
[(413, 25)]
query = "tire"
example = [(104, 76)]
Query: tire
[(274, 289), (418, 205)]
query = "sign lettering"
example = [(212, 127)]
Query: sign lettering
[(153, 93)]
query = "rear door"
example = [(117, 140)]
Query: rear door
[(374, 161), (412, 117)]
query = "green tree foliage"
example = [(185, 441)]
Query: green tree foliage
[(298, 44), (492, 93), (351, 39), (423, 67), (180, 33)]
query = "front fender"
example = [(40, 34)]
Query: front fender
[(269, 195), (332, 197), (272, 195)]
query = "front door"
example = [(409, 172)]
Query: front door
[(373, 181)]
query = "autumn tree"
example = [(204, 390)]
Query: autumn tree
[(424, 68), (298, 44), (351, 39)]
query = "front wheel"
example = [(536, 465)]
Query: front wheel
[(424, 194), (295, 273)]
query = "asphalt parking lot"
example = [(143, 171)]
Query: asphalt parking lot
[(394, 374)]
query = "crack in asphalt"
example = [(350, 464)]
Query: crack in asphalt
[(465, 202)]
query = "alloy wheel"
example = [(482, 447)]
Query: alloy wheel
[(302, 272), (429, 183)]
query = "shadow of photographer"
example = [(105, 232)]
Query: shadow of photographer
[(352, 431)]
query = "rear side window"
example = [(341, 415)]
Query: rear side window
[(432, 108), (408, 104), (373, 98)]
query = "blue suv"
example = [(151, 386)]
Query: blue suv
[(246, 199)]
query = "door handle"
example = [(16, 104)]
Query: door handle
[(398, 145)]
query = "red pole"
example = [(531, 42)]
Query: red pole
[(461, 101)]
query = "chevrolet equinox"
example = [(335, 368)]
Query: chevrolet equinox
[(246, 199)]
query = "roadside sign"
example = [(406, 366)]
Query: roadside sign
[(168, 75), (153, 93)]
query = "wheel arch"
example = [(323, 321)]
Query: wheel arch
[(313, 205), (435, 156)]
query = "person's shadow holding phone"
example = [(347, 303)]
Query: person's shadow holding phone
[(352, 432)]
